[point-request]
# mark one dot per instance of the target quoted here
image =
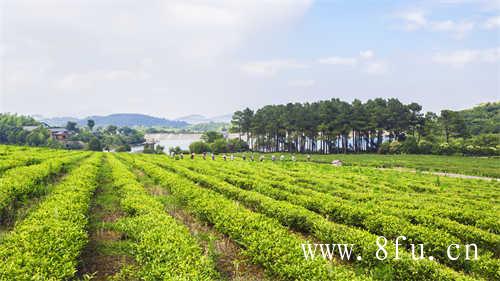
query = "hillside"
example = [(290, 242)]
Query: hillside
[(199, 119), (483, 119), (121, 119)]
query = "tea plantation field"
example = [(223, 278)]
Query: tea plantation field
[(77, 215)]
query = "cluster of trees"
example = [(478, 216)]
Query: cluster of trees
[(192, 128), (12, 132), (335, 126), (111, 137), (215, 142), (107, 138)]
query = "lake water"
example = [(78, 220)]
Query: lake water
[(173, 140), (170, 140)]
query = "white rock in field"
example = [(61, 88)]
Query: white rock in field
[(337, 163)]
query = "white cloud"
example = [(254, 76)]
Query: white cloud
[(339, 61), (417, 20), (368, 54), (271, 67), (302, 83), (492, 23), (486, 5), (365, 62), (184, 40), (413, 19), (376, 68), (82, 81), (458, 29), (462, 57)]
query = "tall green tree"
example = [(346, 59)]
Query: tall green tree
[(90, 124)]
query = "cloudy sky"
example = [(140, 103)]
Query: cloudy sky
[(171, 58)]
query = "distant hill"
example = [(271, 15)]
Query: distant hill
[(120, 120), (199, 119), (483, 119), (210, 126), (56, 121)]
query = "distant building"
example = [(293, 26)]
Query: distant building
[(59, 133)]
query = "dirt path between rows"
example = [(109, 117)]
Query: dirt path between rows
[(228, 256), (444, 174), (103, 256)]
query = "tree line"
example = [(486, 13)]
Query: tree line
[(12, 131), (336, 126)]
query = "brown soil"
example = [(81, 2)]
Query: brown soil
[(101, 266), (230, 261)]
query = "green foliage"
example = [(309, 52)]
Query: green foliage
[(199, 147), (264, 239), (46, 245), (211, 136), (334, 126), (123, 148), (204, 127), (152, 149), (176, 149), (72, 126), (374, 219), (95, 144), (483, 119), (219, 146), (12, 132), (163, 248), (267, 208), (26, 181), (90, 124)]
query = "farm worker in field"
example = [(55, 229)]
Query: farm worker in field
[(224, 157), (273, 158), (282, 157), (204, 155), (261, 158), (213, 156), (192, 155), (232, 157), (308, 157), (293, 158), (182, 155), (244, 156)]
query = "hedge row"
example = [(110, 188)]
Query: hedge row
[(465, 233), (164, 249), (25, 181), (372, 219), (263, 239), (46, 245), (307, 221)]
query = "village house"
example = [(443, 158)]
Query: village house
[(59, 134)]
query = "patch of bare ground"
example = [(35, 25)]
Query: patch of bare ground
[(103, 258), (444, 174), (227, 255)]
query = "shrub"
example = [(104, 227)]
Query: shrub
[(95, 145), (395, 147), (425, 147), (199, 147), (123, 148), (219, 146), (409, 146), (384, 148)]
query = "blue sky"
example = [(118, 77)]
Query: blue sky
[(171, 58)]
